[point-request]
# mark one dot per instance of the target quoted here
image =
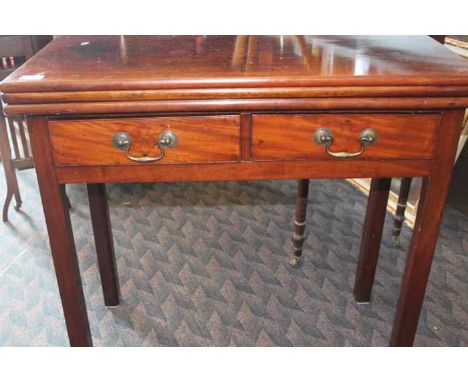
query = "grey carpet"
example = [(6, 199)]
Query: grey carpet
[(205, 264)]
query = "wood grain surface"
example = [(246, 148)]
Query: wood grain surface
[(162, 62), (199, 139), (118, 74), (401, 136)]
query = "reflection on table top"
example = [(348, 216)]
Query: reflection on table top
[(150, 62)]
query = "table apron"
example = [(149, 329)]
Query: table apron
[(248, 170)]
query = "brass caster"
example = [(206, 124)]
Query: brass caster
[(396, 242), (295, 261), (363, 302)]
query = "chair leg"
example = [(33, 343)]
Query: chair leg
[(299, 222), (10, 174), (400, 212), (17, 194), (6, 204)]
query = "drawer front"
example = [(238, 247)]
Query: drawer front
[(198, 140), (403, 136)]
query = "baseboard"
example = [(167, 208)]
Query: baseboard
[(363, 185)]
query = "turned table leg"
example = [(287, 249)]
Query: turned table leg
[(57, 217), (423, 243), (371, 238), (299, 221), (399, 218), (104, 244)]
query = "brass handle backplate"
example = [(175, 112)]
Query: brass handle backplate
[(166, 140), (324, 136)]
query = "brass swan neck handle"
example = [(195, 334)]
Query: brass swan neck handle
[(323, 136), (166, 140)]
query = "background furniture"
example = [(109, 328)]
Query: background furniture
[(399, 218), (15, 148)]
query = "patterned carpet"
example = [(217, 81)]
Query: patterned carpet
[(206, 264)]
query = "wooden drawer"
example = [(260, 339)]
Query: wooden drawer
[(291, 136), (199, 140)]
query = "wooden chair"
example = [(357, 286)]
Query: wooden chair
[(15, 149), (14, 131)]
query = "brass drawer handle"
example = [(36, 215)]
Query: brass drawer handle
[(122, 141), (324, 136)]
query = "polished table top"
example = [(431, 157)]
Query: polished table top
[(156, 62), (107, 74)]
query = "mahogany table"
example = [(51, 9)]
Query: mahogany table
[(164, 109)]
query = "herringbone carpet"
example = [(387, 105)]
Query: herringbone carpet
[(207, 264)]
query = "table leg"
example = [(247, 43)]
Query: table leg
[(418, 264), (57, 217), (104, 243), (300, 221), (434, 192), (371, 238), (399, 218)]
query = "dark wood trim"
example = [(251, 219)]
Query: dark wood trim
[(23, 163), (233, 93), (233, 105), (245, 171), (232, 82), (59, 228)]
